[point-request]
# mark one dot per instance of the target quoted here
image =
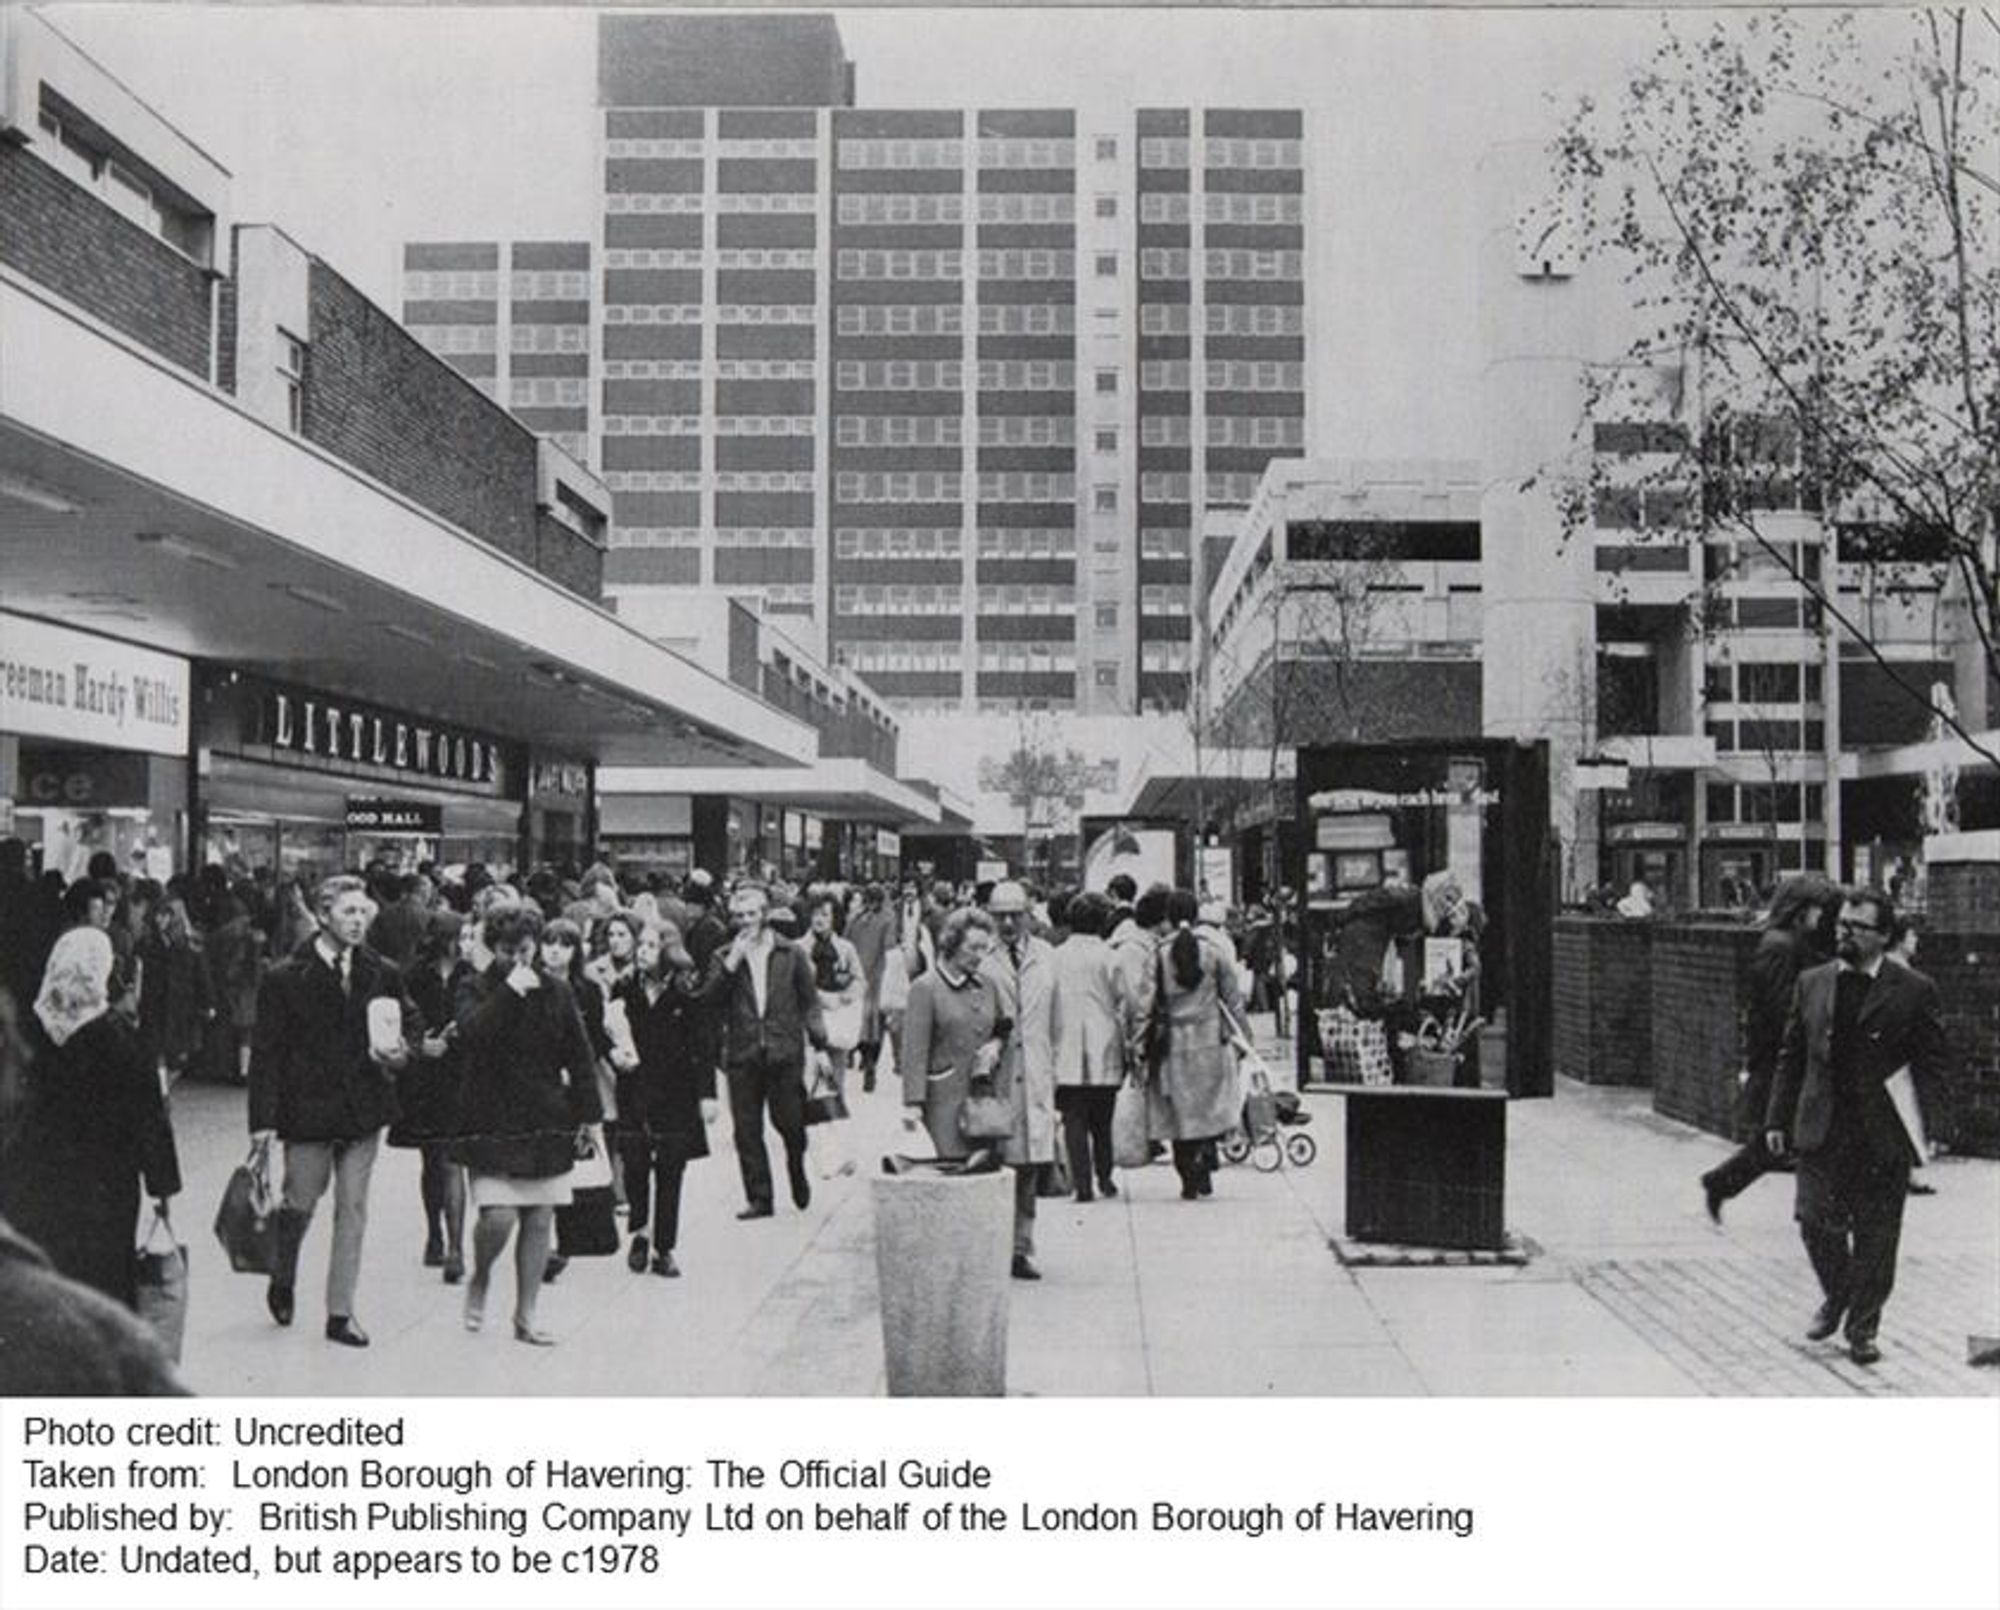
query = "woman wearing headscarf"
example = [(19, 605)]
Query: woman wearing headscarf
[(1196, 1074), (666, 1094), (530, 1089), (93, 1128)]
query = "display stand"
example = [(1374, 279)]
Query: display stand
[(1426, 1167)]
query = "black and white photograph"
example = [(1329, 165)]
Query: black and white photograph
[(1184, 702)]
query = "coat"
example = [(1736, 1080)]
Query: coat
[(872, 933), (777, 1039), (175, 1003), (530, 1079), (311, 1077), (1773, 974), (1197, 1076), (1090, 1013), (1027, 1071), (943, 1029), (662, 1097), (94, 1126), (235, 952), (1900, 1025), (427, 1088), (59, 1338)]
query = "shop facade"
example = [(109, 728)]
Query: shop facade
[(307, 783), (94, 744)]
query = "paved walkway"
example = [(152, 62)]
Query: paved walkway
[(1633, 1292)]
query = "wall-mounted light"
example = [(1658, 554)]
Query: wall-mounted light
[(309, 595), (36, 495), (409, 634), (180, 548)]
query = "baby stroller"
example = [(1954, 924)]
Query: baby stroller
[(1260, 1136)]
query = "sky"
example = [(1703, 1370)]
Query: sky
[(357, 127)]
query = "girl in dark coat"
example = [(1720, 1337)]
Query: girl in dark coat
[(530, 1089), (175, 1002), (562, 957), (427, 1089), (666, 1095), (234, 949), (94, 1126)]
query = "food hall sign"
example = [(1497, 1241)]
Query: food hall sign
[(350, 733)]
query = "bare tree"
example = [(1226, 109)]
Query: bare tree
[(1804, 209)]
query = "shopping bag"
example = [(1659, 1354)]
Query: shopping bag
[(1053, 1179), (824, 1102), (895, 988), (162, 1283), (843, 1023), (246, 1222), (593, 1162), (1357, 1049), (588, 1226), (984, 1115), (1130, 1141)]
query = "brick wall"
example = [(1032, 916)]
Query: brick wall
[(377, 399), (57, 233), (1963, 897), (1603, 1001), (1697, 998), (1697, 989), (567, 558)]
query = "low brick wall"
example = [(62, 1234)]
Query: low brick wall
[(1697, 995), (1603, 1000)]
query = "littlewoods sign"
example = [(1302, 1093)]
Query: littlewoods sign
[(56, 683), (361, 735)]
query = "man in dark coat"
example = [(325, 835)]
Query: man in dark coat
[(400, 928), (1855, 1026), (316, 1084), (769, 1004), (1788, 946)]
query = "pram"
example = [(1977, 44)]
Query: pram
[(1260, 1135)]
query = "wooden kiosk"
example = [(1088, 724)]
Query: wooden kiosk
[(1425, 880)]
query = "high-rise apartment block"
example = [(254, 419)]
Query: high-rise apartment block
[(954, 389)]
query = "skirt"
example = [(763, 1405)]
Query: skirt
[(497, 1190)]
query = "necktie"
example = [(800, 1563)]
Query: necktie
[(346, 972), (1014, 955)]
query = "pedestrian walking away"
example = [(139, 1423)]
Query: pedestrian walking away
[(1090, 1014), (322, 1082), (1022, 969), (1787, 946), (1862, 1035)]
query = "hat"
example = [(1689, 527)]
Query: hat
[(1007, 897)]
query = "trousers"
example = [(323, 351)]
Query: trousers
[(310, 1166), (653, 1174), (753, 1087), (1850, 1215), (1086, 1117)]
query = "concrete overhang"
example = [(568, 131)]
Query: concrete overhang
[(1915, 760), (1661, 751), (845, 788), (138, 501), (1165, 788)]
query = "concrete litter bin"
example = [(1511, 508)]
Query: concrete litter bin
[(943, 1248)]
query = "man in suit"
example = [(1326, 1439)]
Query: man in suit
[(317, 1085), (1854, 1023), (769, 1004), (1022, 968)]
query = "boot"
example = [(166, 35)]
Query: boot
[(285, 1263)]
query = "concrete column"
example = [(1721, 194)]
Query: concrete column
[(1539, 654)]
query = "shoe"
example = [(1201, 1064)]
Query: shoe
[(527, 1333), (802, 1192), (278, 1298), (1085, 1196), (1825, 1322), (552, 1270), (433, 1254), (342, 1329), (454, 1269), (1206, 1184), (475, 1309), (635, 1259), (663, 1264), (756, 1210), (1190, 1192), (1920, 1188), (1862, 1350), (1024, 1268), (1106, 1188), (1712, 1199)]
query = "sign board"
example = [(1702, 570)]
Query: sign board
[(394, 816), (349, 735), (1215, 872), (1596, 772), (57, 683), (887, 844), (80, 779), (990, 871)]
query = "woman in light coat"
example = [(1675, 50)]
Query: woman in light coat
[(1196, 1075), (1089, 1030)]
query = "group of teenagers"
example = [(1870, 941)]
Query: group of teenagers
[(519, 1050)]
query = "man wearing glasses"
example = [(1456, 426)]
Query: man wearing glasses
[(1854, 1026)]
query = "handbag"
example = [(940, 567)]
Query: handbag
[(1053, 1179), (246, 1221), (1131, 1142), (161, 1282), (894, 995), (984, 1115), (824, 1102), (588, 1226)]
